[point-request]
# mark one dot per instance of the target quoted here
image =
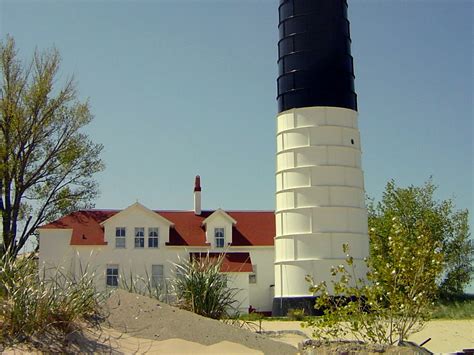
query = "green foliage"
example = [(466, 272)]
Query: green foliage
[(202, 288), (33, 306), (455, 308), (446, 226), (296, 314), (46, 162), (254, 316), (394, 301)]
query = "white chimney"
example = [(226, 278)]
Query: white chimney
[(197, 195)]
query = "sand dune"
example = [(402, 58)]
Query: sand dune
[(142, 317), (138, 325)]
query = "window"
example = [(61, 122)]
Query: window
[(219, 236), (156, 275), (120, 237), (139, 237), (253, 275), (112, 275), (153, 237)]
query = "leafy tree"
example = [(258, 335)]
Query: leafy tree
[(46, 162), (413, 206), (394, 301)]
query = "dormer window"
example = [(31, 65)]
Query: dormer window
[(219, 236), (219, 228)]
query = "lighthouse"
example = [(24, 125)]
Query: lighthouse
[(320, 197)]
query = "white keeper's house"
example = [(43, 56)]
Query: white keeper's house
[(146, 243)]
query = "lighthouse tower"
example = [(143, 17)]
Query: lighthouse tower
[(319, 181)]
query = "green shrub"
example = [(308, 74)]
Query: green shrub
[(395, 300), (254, 316), (296, 314), (444, 224), (202, 288), (454, 309)]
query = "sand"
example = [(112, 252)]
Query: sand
[(110, 341), (138, 325), (118, 343), (145, 318), (447, 336), (137, 316)]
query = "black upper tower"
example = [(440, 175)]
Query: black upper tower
[(314, 55)]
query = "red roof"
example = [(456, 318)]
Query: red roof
[(231, 262), (253, 228), (85, 225)]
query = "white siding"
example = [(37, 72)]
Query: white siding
[(56, 251)]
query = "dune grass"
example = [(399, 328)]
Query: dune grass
[(36, 306), (202, 288), (145, 286)]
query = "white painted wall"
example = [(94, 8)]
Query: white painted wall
[(239, 280), (56, 251), (320, 196), (261, 293)]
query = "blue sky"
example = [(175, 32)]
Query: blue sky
[(188, 87)]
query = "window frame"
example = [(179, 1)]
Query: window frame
[(139, 238), (121, 238), (153, 240), (111, 275), (219, 238), (157, 282)]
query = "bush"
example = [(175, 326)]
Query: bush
[(34, 306), (202, 288), (296, 314), (395, 300), (460, 307), (446, 226)]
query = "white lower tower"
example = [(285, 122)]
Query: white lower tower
[(320, 197)]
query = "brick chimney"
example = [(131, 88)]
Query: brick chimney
[(197, 195)]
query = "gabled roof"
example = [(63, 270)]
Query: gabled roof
[(253, 228), (139, 206), (231, 262), (219, 212)]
